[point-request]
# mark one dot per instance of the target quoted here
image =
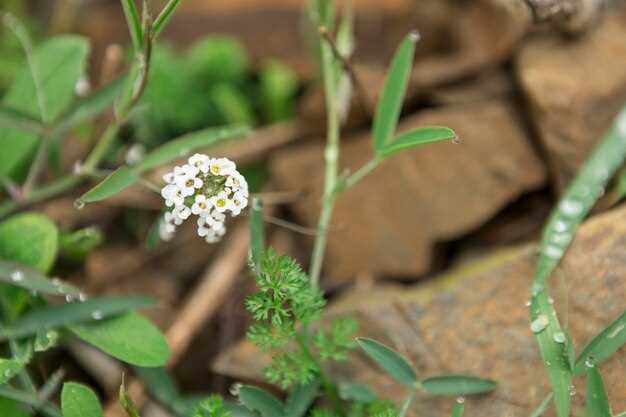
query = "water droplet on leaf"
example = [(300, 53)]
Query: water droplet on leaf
[(539, 324)]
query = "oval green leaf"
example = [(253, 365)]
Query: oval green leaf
[(597, 400), (115, 182), (394, 89), (391, 361), (356, 392), (53, 316), (457, 385), (188, 143), (301, 398), (130, 338), (30, 239), (601, 347), (78, 400), (32, 280), (415, 137), (256, 399)]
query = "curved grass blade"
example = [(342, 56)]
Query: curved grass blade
[(415, 137), (558, 233), (53, 316), (391, 361), (32, 280), (301, 398), (541, 409), (394, 89), (602, 346), (256, 399), (117, 181), (186, 144), (78, 400), (134, 23), (457, 408), (597, 400), (457, 385)]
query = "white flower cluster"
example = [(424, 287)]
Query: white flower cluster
[(206, 187)]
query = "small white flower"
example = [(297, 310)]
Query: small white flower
[(221, 202), (201, 206), (239, 201), (172, 195), (169, 178), (167, 226), (182, 212), (188, 181), (172, 219), (222, 166), (218, 217), (237, 182), (200, 161)]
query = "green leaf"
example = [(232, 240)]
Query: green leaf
[(27, 398), (13, 119), (415, 137), (257, 232), (256, 399), (78, 400), (457, 385), (391, 361), (32, 280), (160, 384), (541, 409), (579, 198), (30, 239), (232, 104), (278, 86), (356, 392), (603, 345), (457, 409), (301, 398), (130, 338), (12, 408), (59, 62), (117, 181), (9, 368), (597, 400), (188, 143), (134, 23), (78, 244), (53, 316), (89, 107), (392, 96)]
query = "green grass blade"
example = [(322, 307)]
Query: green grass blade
[(597, 400), (256, 399), (186, 144), (603, 345), (415, 137), (257, 232), (541, 409), (30, 399), (78, 400), (134, 23), (161, 21), (115, 182), (390, 360), (301, 398), (558, 233), (32, 280), (53, 316), (457, 385), (394, 89), (13, 119), (457, 408)]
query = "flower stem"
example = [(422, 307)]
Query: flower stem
[(331, 156), (407, 404)]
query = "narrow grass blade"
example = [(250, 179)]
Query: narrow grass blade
[(256, 399), (391, 361), (78, 400), (32, 280), (558, 233), (603, 345), (415, 137), (53, 316), (134, 23), (117, 181), (394, 90), (457, 408), (13, 119), (257, 232), (188, 143), (597, 400), (127, 402), (543, 407), (163, 17), (457, 385), (301, 398)]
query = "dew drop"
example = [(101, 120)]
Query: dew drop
[(550, 300), (82, 297), (17, 276), (572, 390), (414, 36), (616, 331), (539, 324), (548, 363), (589, 362), (559, 337), (97, 315), (536, 289), (560, 226), (571, 207), (79, 204), (553, 252), (561, 238), (460, 400), (527, 303), (69, 298)]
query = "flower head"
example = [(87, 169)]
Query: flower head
[(208, 188)]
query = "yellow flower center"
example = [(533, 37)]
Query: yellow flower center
[(189, 183), (221, 202)]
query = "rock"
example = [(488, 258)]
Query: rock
[(388, 223), (574, 89), (474, 320)]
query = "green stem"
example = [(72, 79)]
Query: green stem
[(407, 404), (360, 173), (52, 189), (37, 166), (331, 156)]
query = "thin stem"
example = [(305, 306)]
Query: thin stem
[(361, 172), (36, 167), (407, 404), (52, 189), (165, 16), (331, 156)]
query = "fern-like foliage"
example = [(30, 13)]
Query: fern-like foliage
[(212, 407)]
